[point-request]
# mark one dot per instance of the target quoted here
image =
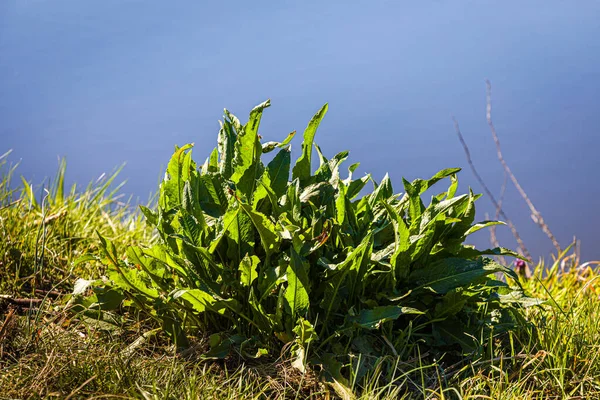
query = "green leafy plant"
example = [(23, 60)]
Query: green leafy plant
[(269, 256)]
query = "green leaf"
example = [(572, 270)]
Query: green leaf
[(109, 250), (255, 117), (212, 198), (517, 297), (400, 258), (246, 163), (266, 229), (373, 318), (238, 228), (453, 186), (162, 254), (432, 212), (332, 369), (198, 299), (482, 225), (85, 258), (288, 139), (276, 176), (132, 280), (234, 121), (213, 161), (452, 303), (359, 262), (296, 293), (422, 243), (316, 191), (340, 204), (178, 172), (192, 230), (383, 191), (191, 205), (416, 205), (451, 273), (226, 147), (334, 165), (248, 270), (324, 171), (351, 170), (154, 270), (269, 147), (422, 185), (470, 252), (292, 201), (275, 209), (466, 212), (205, 265), (302, 169), (305, 332), (347, 273), (355, 186), (150, 215), (250, 349)]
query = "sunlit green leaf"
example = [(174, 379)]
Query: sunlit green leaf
[(297, 292), (302, 169), (248, 270)]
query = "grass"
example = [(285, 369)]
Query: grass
[(47, 352), (41, 239)]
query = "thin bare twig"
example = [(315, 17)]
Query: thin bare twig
[(493, 238), (498, 207), (535, 214), (501, 200)]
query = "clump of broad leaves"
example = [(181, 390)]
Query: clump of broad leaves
[(265, 257)]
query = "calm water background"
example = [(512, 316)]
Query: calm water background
[(116, 81)]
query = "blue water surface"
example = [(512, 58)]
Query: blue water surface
[(116, 81)]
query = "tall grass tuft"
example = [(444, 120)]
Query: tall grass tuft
[(45, 228)]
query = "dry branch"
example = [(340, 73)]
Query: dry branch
[(493, 238), (535, 214), (497, 205)]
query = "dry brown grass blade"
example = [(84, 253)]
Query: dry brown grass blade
[(74, 392), (6, 323), (497, 205), (535, 214)]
